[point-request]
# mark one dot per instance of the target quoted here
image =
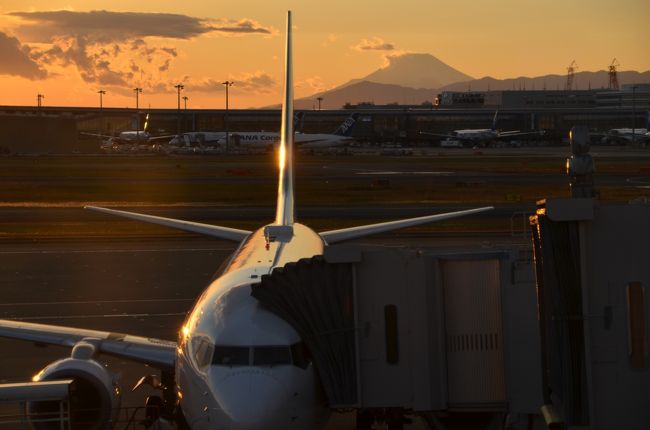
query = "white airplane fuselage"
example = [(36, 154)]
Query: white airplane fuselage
[(627, 133), (134, 136), (235, 367), (476, 134), (304, 140), (209, 138), (321, 140)]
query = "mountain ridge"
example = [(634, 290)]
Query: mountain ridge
[(359, 91), (416, 71)]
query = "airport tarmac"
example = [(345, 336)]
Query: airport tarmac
[(136, 286), (144, 285)]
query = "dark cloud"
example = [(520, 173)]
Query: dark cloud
[(374, 44), (108, 26), (16, 59), (164, 66), (105, 26)]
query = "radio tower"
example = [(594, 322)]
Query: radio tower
[(613, 78), (570, 72)]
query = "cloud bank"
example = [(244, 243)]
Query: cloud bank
[(106, 26), (116, 49)]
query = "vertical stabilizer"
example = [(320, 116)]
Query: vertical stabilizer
[(494, 120), (284, 214), (345, 129)]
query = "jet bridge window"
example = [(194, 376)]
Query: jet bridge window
[(271, 355), (231, 355)]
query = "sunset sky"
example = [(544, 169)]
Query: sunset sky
[(70, 49)]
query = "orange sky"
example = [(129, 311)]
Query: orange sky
[(70, 56)]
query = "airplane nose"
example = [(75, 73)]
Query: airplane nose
[(251, 398)]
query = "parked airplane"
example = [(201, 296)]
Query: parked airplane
[(263, 140), (218, 138), (340, 137), (236, 365), (482, 135), (129, 140), (627, 135)]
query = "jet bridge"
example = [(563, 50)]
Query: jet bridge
[(416, 329), (561, 338)]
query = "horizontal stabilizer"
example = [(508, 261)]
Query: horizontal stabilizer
[(156, 352), (194, 227), (334, 236)]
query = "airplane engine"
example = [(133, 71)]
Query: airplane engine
[(94, 395)]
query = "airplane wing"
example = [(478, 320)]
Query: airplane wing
[(194, 227), (104, 136), (334, 236), (519, 133), (167, 137), (151, 351), (450, 136)]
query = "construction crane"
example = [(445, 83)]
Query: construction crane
[(570, 73), (613, 77)]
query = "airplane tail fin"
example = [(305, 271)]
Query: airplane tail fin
[(494, 120), (285, 209), (345, 129), (146, 123), (284, 214), (647, 121)]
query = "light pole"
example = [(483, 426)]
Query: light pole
[(633, 115), (101, 102), (137, 91), (227, 84), (101, 109), (179, 87), (185, 99), (320, 99), (39, 98)]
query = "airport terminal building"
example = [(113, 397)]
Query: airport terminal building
[(58, 129)]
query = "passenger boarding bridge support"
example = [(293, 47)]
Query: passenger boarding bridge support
[(397, 331)]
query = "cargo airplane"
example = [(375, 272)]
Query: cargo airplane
[(218, 138), (235, 364), (339, 137)]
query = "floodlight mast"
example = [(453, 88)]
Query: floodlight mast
[(227, 84), (179, 87), (137, 91)]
